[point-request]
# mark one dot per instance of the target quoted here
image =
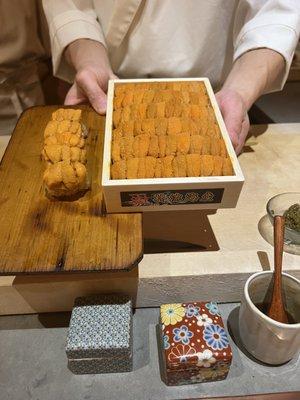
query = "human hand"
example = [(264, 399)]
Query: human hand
[(90, 86), (93, 71), (252, 74), (234, 112)]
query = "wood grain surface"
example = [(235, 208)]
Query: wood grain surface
[(42, 235)]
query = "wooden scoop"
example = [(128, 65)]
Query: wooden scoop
[(276, 310)]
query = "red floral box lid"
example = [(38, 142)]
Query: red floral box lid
[(193, 335)]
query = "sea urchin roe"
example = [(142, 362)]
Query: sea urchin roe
[(292, 217), (64, 154), (164, 130)]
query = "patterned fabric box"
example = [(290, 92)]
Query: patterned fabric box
[(100, 335), (100, 365), (195, 346)]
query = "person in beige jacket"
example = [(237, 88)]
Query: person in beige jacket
[(245, 47), (24, 49)]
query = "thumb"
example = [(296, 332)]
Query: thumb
[(88, 84), (233, 116), (233, 123), (243, 134)]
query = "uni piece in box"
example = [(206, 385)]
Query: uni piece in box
[(194, 344), (100, 335), (166, 148)]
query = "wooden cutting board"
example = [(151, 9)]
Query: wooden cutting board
[(42, 235)]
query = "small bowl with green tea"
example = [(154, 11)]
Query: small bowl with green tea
[(288, 205)]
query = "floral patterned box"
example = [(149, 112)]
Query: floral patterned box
[(100, 335), (194, 344)]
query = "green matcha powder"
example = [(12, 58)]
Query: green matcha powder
[(292, 217)]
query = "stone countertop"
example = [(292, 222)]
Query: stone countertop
[(34, 365), (270, 162)]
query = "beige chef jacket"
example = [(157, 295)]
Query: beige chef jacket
[(23, 47), (174, 38)]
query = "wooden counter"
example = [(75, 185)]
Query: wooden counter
[(220, 251)]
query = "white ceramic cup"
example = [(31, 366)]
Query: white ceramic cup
[(267, 340)]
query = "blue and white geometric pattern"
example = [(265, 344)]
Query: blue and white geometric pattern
[(100, 365), (100, 326)]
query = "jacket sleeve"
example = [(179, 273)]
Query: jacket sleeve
[(69, 20), (272, 24)]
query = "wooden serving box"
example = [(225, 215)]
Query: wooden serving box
[(185, 193)]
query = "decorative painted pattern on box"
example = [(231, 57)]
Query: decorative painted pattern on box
[(100, 326), (100, 365), (171, 197), (195, 344)]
